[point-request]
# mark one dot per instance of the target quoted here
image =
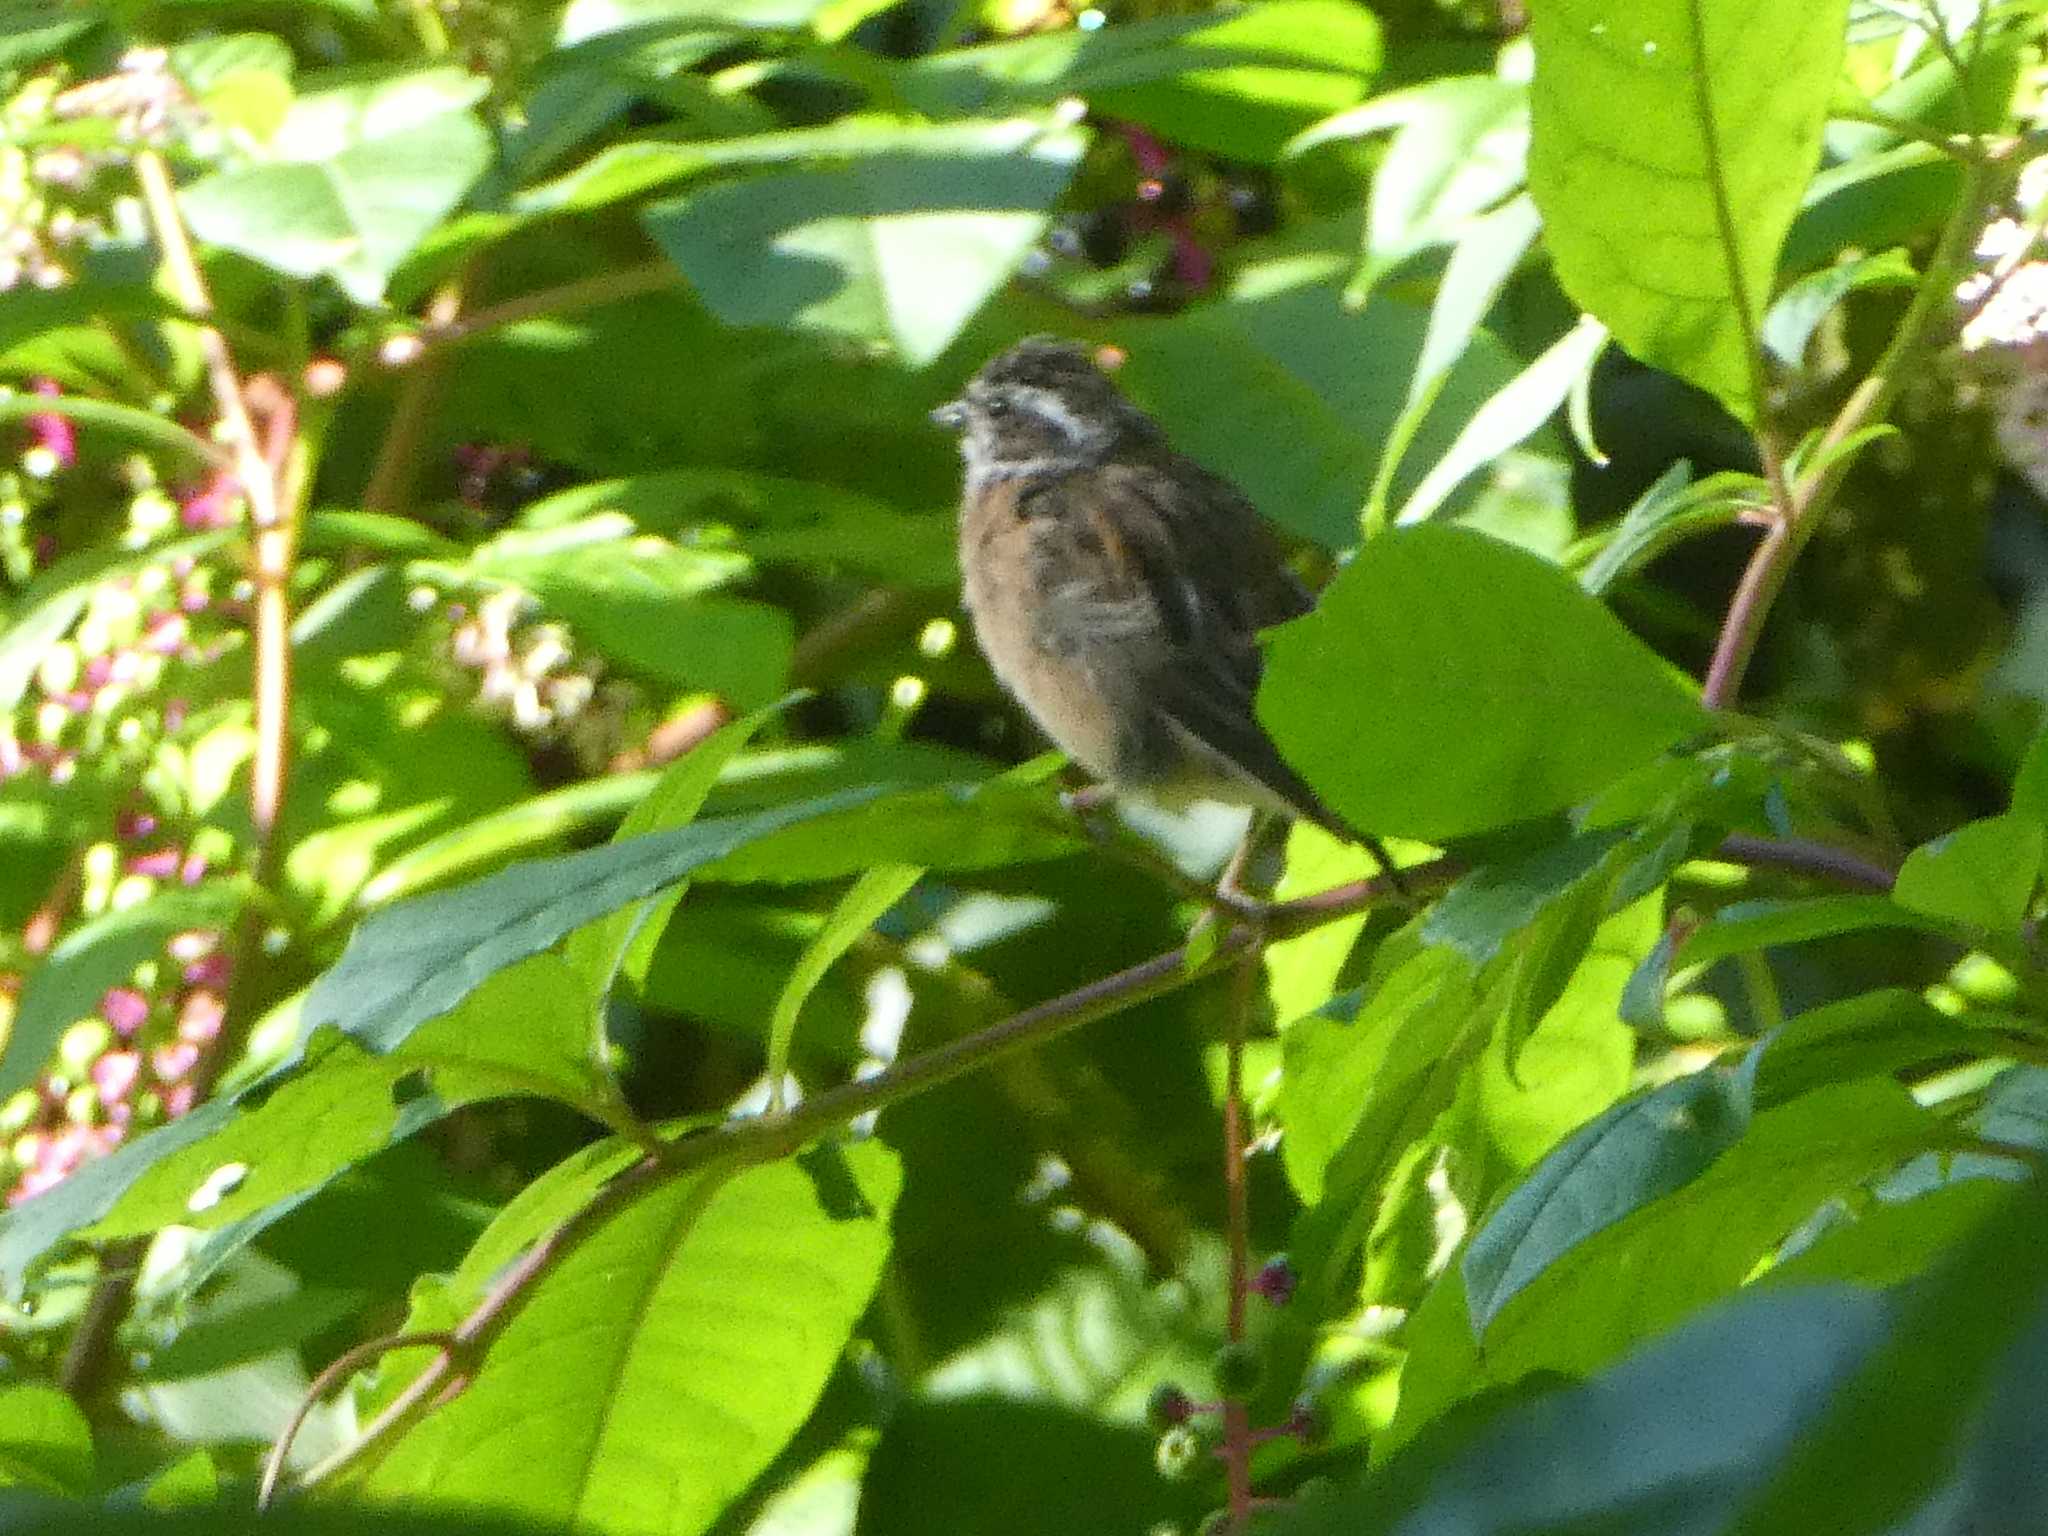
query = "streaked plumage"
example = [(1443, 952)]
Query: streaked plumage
[(1117, 587)]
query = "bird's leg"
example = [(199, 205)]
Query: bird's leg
[(1230, 888), (1088, 806)]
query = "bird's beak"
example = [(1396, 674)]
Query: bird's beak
[(951, 415)]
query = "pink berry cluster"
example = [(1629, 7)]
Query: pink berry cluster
[(124, 1069), (89, 736)]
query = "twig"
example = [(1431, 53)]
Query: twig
[(389, 488), (737, 1145), (344, 1365), (263, 469), (1807, 858), (566, 298), (1771, 562), (1237, 1425)]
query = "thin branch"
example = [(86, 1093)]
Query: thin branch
[(1796, 856), (1772, 561), (1237, 1426), (344, 1365), (389, 488), (736, 1145), (264, 468), (564, 299)]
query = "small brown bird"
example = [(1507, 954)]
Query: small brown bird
[(1117, 587)]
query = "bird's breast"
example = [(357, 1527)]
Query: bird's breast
[(1063, 692)]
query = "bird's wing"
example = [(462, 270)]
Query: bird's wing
[(1176, 569)]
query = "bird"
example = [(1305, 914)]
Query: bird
[(1117, 588)]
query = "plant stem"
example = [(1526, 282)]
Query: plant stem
[(1804, 507), (566, 298), (1237, 1426), (272, 474), (389, 488)]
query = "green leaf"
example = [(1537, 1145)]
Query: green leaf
[(1347, 1062), (599, 950), (1911, 1413), (1635, 1153), (97, 954), (32, 1231), (1432, 630), (1693, 1244), (414, 961), (522, 1032), (898, 245), (357, 177), (45, 1442), (1672, 144), (1878, 1034), (1458, 149), (1798, 312), (657, 1367), (1239, 83), (123, 423), (1744, 927), (1513, 415), (1671, 1440), (1672, 510), (872, 895), (1480, 266), (1983, 873)]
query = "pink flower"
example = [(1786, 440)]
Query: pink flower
[(125, 1010), (200, 1018), (213, 504), (171, 1062), (160, 863), (114, 1074), (51, 431)]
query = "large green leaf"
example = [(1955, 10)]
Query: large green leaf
[(655, 1370), (1952, 1389), (45, 1442), (1678, 1251), (1673, 1440), (521, 1033), (353, 180), (1672, 141), (897, 244), (416, 960), (1491, 689), (1983, 873)]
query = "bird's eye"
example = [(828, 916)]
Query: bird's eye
[(998, 407)]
